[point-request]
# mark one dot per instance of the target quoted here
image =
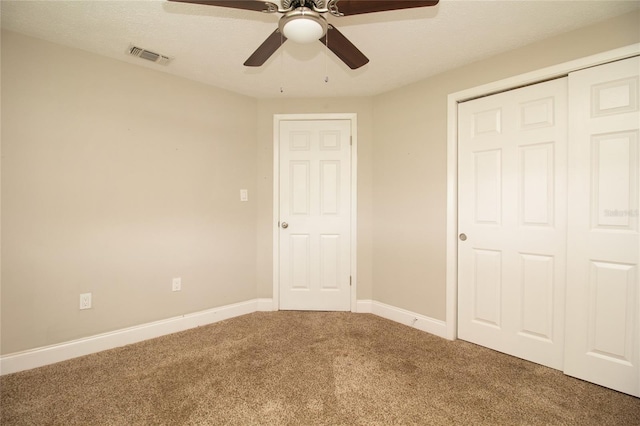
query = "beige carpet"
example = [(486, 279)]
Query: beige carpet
[(304, 368)]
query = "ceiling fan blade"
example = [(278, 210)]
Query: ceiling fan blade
[(266, 49), (356, 7), (257, 5), (343, 48)]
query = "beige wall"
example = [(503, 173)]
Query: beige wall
[(116, 178), (409, 180)]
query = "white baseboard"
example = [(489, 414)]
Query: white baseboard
[(402, 316), (39, 357), (33, 358), (265, 305), (364, 306)]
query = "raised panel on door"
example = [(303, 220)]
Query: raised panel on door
[(512, 208), (330, 187), (611, 297), (614, 171), (299, 277), (315, 195), (330, 264), (486, 288), (537, 184), (300, 189), (488, 187), (603, 292), (537, 282)]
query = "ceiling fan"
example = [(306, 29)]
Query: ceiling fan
[(303, 22)]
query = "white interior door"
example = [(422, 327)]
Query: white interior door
[(512, 212), (603, 294), (315, 215)]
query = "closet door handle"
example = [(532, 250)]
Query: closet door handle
[(285, 225), (463, 237)]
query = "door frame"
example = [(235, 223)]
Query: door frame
[(277, 118), (453, 100)]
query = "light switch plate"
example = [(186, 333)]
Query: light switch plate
[(176, 284), (244, 195), (85, 301)]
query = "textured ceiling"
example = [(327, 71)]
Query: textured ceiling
[(209, 44)]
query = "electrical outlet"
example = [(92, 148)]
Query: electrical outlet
[(85, 301), (176, 284)]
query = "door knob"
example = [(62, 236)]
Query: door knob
[(463, 237), (285, 225)]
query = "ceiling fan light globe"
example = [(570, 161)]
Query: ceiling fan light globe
[(303, 25), (303, 30)]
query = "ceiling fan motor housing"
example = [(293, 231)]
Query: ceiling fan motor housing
[(311, 4)]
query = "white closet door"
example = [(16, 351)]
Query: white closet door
[(603, 295), (512, 212)]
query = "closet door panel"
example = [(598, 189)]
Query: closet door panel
[(512, 210), (602, 342)]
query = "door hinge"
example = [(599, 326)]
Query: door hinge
[(349, 280), (350, 140)]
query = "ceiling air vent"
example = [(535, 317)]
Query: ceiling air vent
[(148, 55)]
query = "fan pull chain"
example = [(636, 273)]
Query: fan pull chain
[(326, 56), (281, 63)]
